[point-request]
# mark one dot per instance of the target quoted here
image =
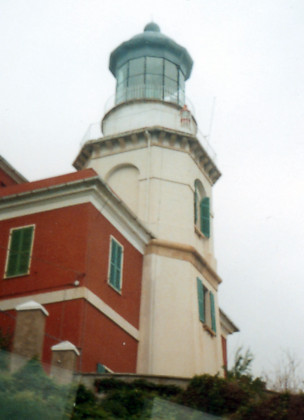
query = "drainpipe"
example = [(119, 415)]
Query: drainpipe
[(148, 138)]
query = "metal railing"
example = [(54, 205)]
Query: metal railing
[(94, 130), (161, 93)]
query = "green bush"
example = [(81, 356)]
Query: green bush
[(214, 395), (111, 384), (283, 406), (31, 394), (131, 400), (124, 404)]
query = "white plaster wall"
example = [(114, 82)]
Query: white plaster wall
[(124, 180), (131, 116), (166, 190), (172, 338)]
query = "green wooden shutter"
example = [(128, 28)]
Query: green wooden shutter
[(100, 368), (212, 309), (201, 299), (13, 258), (115, 264), (25, 251), (195, 203), (20, 251), (118, 266), (205, 216)]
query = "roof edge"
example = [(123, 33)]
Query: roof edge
[(11, 171)]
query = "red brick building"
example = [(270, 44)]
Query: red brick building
[(80, 244), (75, 224)]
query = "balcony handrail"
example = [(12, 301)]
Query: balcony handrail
[(144, 92)]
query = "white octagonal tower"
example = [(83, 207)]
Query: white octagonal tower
[(151, 157)]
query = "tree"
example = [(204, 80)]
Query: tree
[(286, 374), (242, 364)]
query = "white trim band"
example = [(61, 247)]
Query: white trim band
[(72, 294)]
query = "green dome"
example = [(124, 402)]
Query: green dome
[(152, 27), (151, 43)]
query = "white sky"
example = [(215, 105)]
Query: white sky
[(249, 55)]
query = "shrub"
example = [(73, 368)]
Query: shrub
[(111, 384), (31, 394), (275, 407), (214, 395)]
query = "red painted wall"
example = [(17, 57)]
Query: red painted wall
[(105, 342), (224, 350), (97, 338), (7, 323), (59, 251), (73, 243), (127, 303), (5, 179)]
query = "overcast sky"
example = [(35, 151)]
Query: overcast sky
[(249, 55)]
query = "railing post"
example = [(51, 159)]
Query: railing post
[(29, 333), (64, 356)]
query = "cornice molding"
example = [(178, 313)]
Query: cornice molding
[(138, 139), (88, 190), (11, 171), (72, 294), (186, 253), (227, 326)]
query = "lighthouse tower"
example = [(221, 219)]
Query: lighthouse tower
[(152, 158)]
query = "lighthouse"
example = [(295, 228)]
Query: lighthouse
[(153, 158)]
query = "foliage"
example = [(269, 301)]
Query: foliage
[(222, 396), (237, 398), (33, 378), (5, 345), (31, 394), (282, 406), (214, 395), (285, 376), (242, 364), (86, 406), (131, 400), (110, 384)]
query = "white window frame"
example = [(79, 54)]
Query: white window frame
[(200, 194), (112, 238), (9, 250), (207, 324)]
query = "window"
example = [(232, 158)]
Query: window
[(19, 251), (150, 77), (201, 209), (100, 368), (205, 216), (115, 264), (206, 307)]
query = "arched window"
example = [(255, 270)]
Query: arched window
[(124, 180), (201, 209)]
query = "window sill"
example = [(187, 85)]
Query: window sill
[(114, 288), (15, 276), (209, 330), (199, 233)]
